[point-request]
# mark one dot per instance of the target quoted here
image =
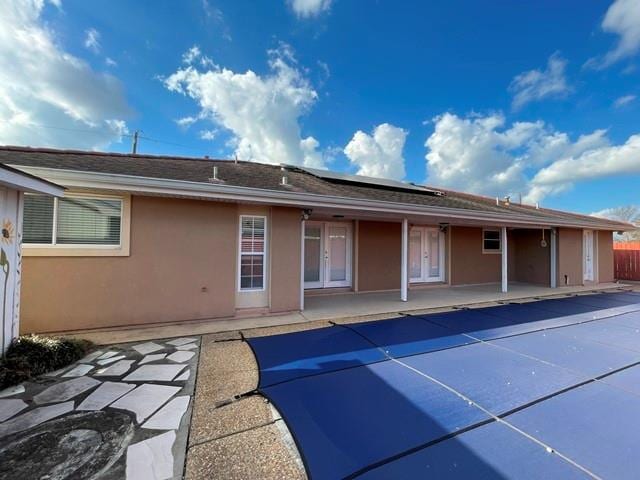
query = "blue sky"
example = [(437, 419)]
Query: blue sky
[(524, 98)]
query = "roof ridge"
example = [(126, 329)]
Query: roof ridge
[(96, 153)]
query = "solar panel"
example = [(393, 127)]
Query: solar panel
[(378, 182)]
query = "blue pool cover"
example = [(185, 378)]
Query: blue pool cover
[(531, 390)]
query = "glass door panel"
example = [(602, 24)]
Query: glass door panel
[(313, 256), (433, 254), (337, 253), (415, 254)]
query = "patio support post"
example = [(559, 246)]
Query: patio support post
[(302, 224), (553, 256), (503, 243), (404, 258)]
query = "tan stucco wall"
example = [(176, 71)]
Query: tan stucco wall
[(378, 256), (532, 261), (468, 264), (182, 266), (569, 256), (285, 259), (605, 256)]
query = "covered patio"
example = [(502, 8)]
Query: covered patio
[(349, 304)]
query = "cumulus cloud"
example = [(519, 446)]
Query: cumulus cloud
[(379, 154), (208, 134), (624, 100), (261, 111), (481, 154), (535, 85), (92, 40), (309, 8), (622, 19), (41, 85)]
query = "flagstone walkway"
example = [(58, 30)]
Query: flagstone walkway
[(120, 412)]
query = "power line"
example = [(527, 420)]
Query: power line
[(134, 135)]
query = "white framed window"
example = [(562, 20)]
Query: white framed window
[(76, 225), (491, 242), (252, 253)]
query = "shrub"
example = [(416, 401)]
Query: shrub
[(31, 355)]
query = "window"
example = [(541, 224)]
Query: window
[(252, 252), (491, 241), (75, 225)]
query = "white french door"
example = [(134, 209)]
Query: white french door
[(587, 254), (327, 255), (426, 255)]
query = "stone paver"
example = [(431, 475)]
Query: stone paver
[(79, 370), (34, 417), (155, 373), (169, 416), (176, 342), (109, 360), (181, 356), (101, 424), (8, 408), (63, 391), (104, 395), (151, 459), (146, 348), (145, 399), (152, 358), (119, 368)]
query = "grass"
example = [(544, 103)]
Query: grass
[(31, 355)]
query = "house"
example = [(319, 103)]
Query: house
[(141, 239), (13, 185)]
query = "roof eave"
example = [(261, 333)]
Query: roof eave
[(170, 187)]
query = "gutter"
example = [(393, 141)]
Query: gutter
[(182, 188)]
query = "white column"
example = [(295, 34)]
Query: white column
[(503, 244), (404, 257), (554, 259), (302, 226)]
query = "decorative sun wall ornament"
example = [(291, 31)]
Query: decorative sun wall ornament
[(8, 232)]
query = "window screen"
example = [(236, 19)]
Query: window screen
[(252, 252), (37, 224), (72, 220)]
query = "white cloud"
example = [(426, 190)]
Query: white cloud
[(262, 111), (309, 8), (380, 154), (536, 85), (480, 154), (622, 19), (191, 55), (47, 94), (624, 100), (607, 160), (92, 40), (208, 134), (110, 62)]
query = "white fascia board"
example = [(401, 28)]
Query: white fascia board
[(182, 188), (27, 183)]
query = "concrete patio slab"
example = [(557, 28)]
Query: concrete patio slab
[(258, 453)]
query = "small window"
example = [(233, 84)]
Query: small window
[(491, 241), (73, 220), (252, 252)]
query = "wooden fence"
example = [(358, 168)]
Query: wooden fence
[(626, 264)]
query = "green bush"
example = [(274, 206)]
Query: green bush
[(32, 355)]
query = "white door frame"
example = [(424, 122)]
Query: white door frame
[(588, 256), (425, 254), (325, 256)]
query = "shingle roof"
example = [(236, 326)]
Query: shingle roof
[(268, 177)]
